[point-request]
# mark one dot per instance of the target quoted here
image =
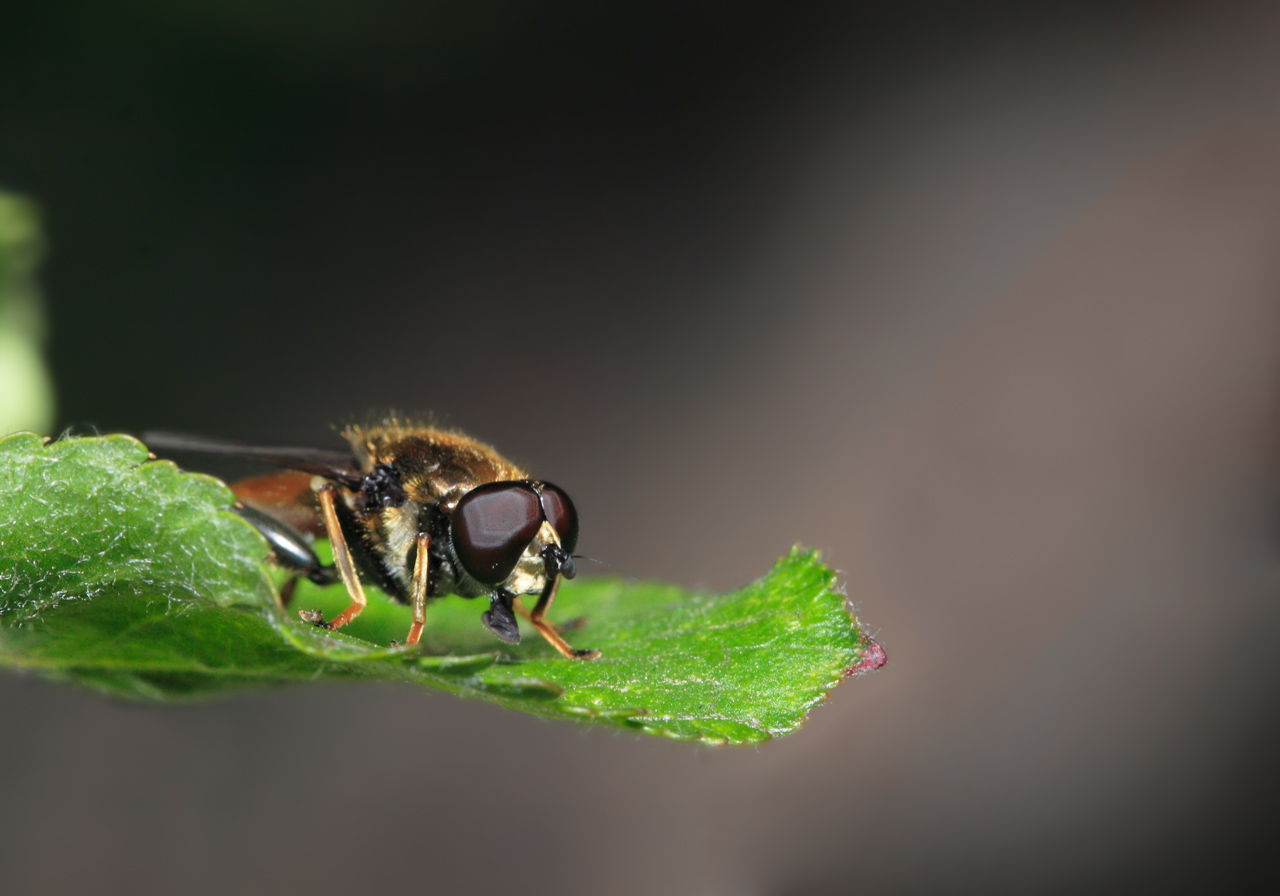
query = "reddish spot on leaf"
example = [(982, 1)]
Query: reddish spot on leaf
[(873, 657)]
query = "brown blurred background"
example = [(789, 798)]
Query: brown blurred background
[(983, 301)]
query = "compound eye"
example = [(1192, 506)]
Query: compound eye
[(491, 527), (561, 514)]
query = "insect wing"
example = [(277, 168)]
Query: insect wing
[(336, 465)]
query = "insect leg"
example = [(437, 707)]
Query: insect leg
[(421, 575), (289, 549), (342, 560), (286, 592), (538, 618), (571, 625)]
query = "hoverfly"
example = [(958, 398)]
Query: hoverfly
[(420, 512)]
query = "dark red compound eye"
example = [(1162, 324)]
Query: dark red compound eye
[(491, 527), (561, 514)]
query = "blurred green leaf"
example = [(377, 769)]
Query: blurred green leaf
[(26, 394), (132, 577)]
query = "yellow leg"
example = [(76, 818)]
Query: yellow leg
[(342, 560), (538, 618), (421, 568), (571, 625)]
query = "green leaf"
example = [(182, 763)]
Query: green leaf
[(132, 577)]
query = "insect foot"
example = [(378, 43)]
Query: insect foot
[(315, 617)]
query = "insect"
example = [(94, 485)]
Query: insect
[(420, 512)]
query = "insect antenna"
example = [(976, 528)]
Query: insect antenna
[(592, 560)]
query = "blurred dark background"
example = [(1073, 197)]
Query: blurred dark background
[(980, 299)]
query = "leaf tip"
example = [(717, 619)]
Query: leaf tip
[(873, 657)]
